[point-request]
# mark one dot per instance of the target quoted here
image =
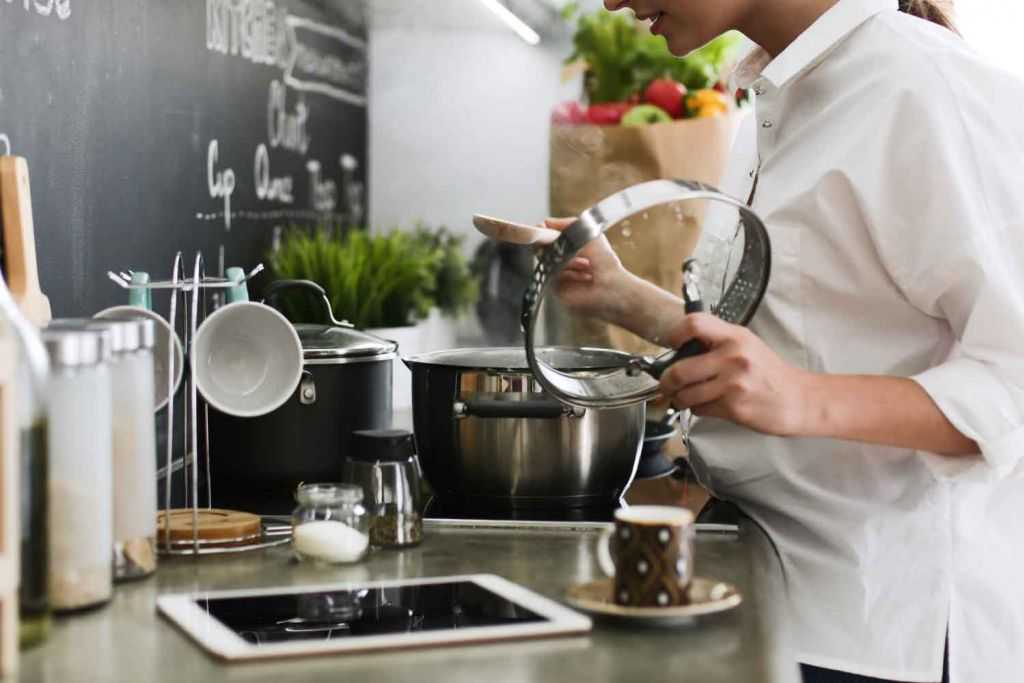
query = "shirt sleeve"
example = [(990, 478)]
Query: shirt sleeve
[(947, 214)]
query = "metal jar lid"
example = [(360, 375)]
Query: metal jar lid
[(333, 344), (126, 336), (70, 347)]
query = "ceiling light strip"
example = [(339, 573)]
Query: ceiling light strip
[(512, 21)]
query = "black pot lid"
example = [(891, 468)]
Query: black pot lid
[(328, 341), (513, 358)]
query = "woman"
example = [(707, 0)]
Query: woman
[(872, 417)]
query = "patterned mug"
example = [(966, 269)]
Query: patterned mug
[(649, 553)]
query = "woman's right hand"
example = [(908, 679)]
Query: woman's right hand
[(594, 283)]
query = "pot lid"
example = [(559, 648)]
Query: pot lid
[(513, 358), (328, 341)]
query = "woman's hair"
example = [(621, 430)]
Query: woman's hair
[(938, 11)]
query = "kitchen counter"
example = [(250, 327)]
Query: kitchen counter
[(128, 641)]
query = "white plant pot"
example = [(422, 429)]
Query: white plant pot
[(433, 334)]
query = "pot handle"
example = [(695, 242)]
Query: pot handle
[(538, 408), (275, 288)]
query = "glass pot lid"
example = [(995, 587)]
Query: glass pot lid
[(332, 338), (512, 359), (720, 257), (328, 341)]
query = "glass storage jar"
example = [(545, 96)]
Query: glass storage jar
[(134, 440), (330, 524), (81, 491)]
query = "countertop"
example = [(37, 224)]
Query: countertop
[(128, 641)]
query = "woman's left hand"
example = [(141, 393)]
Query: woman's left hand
[(739, 379)]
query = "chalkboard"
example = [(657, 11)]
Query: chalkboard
[(157, 126)]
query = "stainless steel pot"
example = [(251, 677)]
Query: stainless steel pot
[(488, 434)]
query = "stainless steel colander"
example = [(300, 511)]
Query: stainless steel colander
[(727, 274)]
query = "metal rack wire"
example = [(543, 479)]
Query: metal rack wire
[(189, 293)]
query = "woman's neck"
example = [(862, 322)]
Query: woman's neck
[(774, 25)]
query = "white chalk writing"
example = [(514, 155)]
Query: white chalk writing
[(267, 188), (286, 130), (253, 29), (5, 145), (221, 183), (323, 193), (311, 70), (270, 215), (44, 8)]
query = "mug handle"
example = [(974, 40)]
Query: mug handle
[(604, 553)]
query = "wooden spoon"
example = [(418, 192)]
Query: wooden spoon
[(19, 240), (514, 233)]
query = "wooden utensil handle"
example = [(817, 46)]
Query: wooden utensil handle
[(20, 262)]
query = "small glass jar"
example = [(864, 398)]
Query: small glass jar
[(330, 524)]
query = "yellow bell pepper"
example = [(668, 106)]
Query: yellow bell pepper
[(706, 103)]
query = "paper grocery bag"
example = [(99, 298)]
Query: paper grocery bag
[(589, 163)]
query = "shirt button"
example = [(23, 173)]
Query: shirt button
[(759, 90), (767, 124)]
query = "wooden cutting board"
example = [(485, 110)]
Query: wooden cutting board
[(19, 241)]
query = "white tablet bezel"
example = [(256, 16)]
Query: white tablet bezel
[(214, 636)]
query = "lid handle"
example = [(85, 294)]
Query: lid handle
[(277, 287)]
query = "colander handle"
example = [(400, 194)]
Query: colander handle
[(694, 347)]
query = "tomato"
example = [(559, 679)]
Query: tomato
[(668, 95), (568, 114), (607, 113)]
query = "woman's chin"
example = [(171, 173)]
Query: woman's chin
[(681, 48), (681, 43)]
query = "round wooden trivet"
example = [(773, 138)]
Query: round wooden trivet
[(214, 526)]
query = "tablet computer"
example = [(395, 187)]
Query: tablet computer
[(366, 617)]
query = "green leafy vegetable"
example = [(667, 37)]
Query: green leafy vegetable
[(622, 57)]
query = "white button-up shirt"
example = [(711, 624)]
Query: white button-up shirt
[(892, 183)]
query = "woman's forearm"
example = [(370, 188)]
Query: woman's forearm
[(890, 411), (649, 311)]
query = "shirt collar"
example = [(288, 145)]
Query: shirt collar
[(811, 46)]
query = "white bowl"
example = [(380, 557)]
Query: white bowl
[(246, 359), (165, 337)]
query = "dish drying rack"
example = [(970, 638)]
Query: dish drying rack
[(188, 293)]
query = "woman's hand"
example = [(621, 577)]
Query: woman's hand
[(739, 379)]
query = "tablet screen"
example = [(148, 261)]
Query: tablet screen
[(267, 619)]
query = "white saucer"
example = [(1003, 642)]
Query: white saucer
[(707, 597)]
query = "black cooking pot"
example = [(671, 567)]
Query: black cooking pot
[(256, 463)]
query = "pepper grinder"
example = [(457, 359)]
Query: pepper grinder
[(385, 465)]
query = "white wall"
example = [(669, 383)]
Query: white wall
[(459, 110), (994, 28)]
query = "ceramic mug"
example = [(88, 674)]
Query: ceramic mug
[(246, 358), (168, 356), (649, 554)]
